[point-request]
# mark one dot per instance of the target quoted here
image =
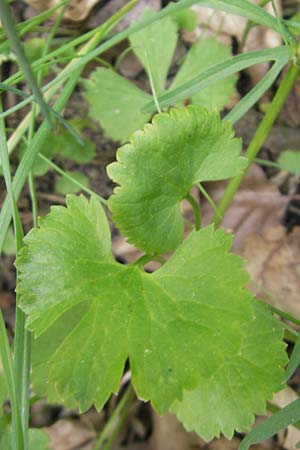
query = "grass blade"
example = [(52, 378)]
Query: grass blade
[(280, 420), (294, 361), (218, 72), (255, 94), (16, 45)]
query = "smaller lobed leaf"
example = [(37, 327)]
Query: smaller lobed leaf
[(160, 165)]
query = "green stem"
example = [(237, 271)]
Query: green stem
[(14, 372), (7, 364), (116, 421), (208, 198), (196, 210), (264, 162), (259, 138)]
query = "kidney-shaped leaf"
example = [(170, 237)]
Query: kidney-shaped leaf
[(160, 165), (179, 325)]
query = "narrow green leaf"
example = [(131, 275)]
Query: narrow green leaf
[(116, 103), (257, 91), (280, 420), (202, 55), (218, 72), (294, 361), (155, 46), (160, 165), (16, 45), (194, 309), (289, 160), (3, 386)]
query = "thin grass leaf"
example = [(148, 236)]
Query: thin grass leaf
[(27, 25), (294, 361), (218, 72), (255, 94), (16, 45), (286, 416)]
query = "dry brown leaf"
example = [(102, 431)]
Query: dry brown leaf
[(113, 6), (290, 113), (70, 434), (169, 434), (77, 10), (257, 205), (273, 262)]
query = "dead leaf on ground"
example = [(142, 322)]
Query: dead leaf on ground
[(228, 25), (257, 205), (290, 113), (113, 6), (70, 435), (273, 262), (76, 11), (169, 434)]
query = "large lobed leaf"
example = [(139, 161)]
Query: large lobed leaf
[(157, 169), (184, 328)]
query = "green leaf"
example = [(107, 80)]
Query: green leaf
[(227, 400), (38, 439), (116, 103), (289, 160), (3, 387), (9, 245), (34, 48), (155, 46), (65, 145), (289, 415), (200, 57), (178, 325), (160, 165), (65, 186), (186, 19)]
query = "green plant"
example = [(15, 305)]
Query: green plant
[(116, 102), (195, 337)]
